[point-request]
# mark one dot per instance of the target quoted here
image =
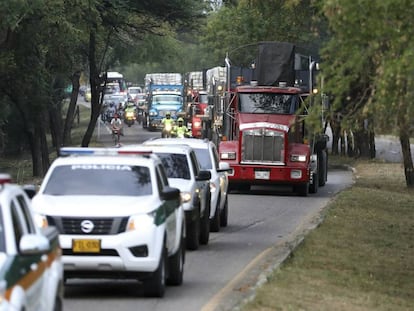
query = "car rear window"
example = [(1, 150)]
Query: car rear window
[(176, 165), (99, 179)]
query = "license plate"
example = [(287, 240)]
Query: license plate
[(86, 246), (262, 174)]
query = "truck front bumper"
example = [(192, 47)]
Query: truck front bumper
[(258, 174)]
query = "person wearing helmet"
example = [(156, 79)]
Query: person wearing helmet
[(180, 130), (168, 124)]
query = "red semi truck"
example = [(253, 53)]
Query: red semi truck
[(263, 135)]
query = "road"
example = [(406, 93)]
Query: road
[(264, 225)]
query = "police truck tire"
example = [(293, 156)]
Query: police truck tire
[(224, 214), (155, 286), (205, 224), (215, 221), (193, 234), (176, 265)]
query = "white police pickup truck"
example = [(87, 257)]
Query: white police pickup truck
[(31, 273), (117, 217)]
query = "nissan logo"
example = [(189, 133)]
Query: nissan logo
[(87, 226)]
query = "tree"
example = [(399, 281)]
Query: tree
[(117, 23), (371, 46), (251, 21)]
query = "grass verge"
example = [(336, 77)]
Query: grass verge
[(360, 258)]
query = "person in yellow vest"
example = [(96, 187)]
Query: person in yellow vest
[(180, 130), (168, 125)]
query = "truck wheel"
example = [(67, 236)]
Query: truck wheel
[(215, 221), (205, 224), (155, 286), (176, 265), (224, 214), (193, 233)]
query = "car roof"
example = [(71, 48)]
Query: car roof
[(104, 155), (192, 142), (183, 149)]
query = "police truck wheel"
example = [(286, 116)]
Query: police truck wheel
[(215, 221), (176, 265), (193, 233), (224, 214), (205, 225), (155, 286)]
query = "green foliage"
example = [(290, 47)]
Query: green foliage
[(254, 21), (371, 52)]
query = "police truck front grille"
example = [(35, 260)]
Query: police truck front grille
[(263, 146), (99, 226)]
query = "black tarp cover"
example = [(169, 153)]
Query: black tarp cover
[(280, 57)]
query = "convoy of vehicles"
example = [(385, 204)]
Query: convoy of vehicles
[(117, 215), (31, 270), (132, 211)]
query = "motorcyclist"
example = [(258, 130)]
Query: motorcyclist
[(130, 108), (180, 130), (117, 126), (168, 124), (110, 111)]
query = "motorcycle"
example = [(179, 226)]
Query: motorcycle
[(116, 136), (129, 118), (166, 131)]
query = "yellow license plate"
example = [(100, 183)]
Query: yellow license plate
[(86, 246)]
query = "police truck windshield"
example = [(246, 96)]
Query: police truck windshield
[(99, 179)]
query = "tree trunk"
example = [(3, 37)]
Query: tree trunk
[(70, 115), (95, 82), (336, 133), (407, 157)]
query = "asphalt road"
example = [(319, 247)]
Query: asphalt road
[(264, 225)]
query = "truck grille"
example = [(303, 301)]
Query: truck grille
[(263, 146), (101, 226)]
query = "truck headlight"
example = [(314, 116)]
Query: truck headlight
[(152, 113), (228, 155), (298, 158)]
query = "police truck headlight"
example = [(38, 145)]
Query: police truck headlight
[(40, 220), (185, 196)]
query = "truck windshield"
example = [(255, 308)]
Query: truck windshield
[(268, 103), (167, 100)]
